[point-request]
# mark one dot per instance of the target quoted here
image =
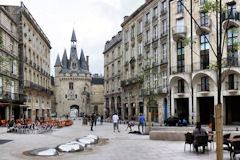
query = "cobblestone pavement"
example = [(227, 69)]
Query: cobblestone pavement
[(121, 146)]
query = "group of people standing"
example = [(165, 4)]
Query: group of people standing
[(92, 119)]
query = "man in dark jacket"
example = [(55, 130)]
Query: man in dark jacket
[(92, 120), (198, 131)]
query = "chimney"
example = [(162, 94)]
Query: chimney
[(87, 62), (125, 18)]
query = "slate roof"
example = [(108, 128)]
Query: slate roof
[(116, 39), (58, 63), (82, 66), (73, 39), (97, 80)]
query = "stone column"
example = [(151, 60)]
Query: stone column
[(115, 107), (173, 104), (7, 117), (10, 113), (21, 113), (137, 109), (196, 116), (190, 109), (26, 113)]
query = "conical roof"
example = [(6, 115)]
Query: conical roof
[(57, 63), (64, 59), (82, 60), (73, 39)]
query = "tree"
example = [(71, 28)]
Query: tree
[(219, 11)]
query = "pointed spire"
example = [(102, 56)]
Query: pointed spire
[(73, 39), (58, 63), (64, 59), (83, 64)]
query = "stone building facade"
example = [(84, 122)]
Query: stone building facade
[(34, 64), (74, 85), (144, 51), (11, 101), (113, 76), (192, 81)]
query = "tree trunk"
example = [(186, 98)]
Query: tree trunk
[(219, 128)]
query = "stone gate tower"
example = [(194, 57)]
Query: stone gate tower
[(72, 81)]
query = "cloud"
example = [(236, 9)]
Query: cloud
[(94, 21)]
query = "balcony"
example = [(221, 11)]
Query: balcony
[(164, 34), (163, 12), (147, 23), (154, 18), (147, 43), (179, 32), (162, 90), (231, 87), (131, 81), (8, 96), (155, 39), (203, 26), (231, 2), (231, 19), (181, 69), (31, 85), (164, 61)]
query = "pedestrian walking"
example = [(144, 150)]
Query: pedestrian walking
[(92, 120), (101, 120), (95, 120), (141, 121), (130, 125), (115, 119)]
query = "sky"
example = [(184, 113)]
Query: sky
[(94, 22)]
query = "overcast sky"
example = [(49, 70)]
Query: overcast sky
[(94, 21)]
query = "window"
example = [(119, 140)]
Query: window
[(155, 10), (133, 32), (180, 26), (164, 7), (181, 86), (126, 36), (204, 60), (180, 56), (140, 48), (127, 74), (204, 45), (112, 69), (112, 55), (204, 19), (232, 52), (133, 73), (73, 65), (148, 18), (119, 51), (133, 52), (126, 56), (155, 79), (164, 52), (204, 84), (140, 27), (148, 36), (119, 66), (107, 58), (36, 99), (155, 32), (231, 11), (156, 55), (65, 96), (164, 79), (112, 85), (180, 7), (164, 27), (119, 82), (71, 85), (148, 59), (202, 1), (232, 82)]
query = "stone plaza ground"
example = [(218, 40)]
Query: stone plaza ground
[(120, 146)]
